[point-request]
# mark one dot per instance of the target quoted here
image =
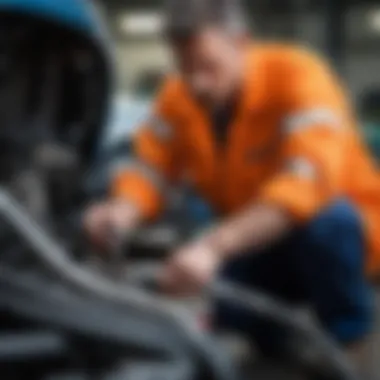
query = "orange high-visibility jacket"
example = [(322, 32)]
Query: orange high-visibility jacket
[(293, 143)]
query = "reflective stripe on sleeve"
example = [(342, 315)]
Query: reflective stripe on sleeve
[(160, 128), (143, 169), (309, 118), (302, 168)]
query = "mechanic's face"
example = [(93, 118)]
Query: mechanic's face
[(212, 65)]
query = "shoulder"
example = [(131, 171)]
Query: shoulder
[(276, 70), (171, 94), (287, 62), (300, 72)]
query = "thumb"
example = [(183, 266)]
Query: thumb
[(166, 279)]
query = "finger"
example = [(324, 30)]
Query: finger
[(100, 244), (176, 285), (165, 280), (92, 221), (170, 281), (99, 238)]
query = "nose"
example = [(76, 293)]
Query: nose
[(200, 84)]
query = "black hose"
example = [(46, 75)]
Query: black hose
[(25, 346)]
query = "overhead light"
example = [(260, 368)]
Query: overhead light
[(145, 23), (374, 20)]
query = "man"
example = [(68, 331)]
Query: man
[(266, 135)]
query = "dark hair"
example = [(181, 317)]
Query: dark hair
[(184, 18)]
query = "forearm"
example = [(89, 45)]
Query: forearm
[(253, 229)]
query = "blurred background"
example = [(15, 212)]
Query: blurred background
[(346, 31)]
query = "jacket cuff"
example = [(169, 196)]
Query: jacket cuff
[(138, 190), (301, 198)]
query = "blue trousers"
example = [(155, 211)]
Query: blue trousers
[(322, 265)]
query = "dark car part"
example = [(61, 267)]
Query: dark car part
[(55, 86), (55, 89), (125, 321)]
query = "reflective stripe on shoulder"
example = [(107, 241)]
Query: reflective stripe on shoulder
[(301, 167), (311, 117), (160, 128), (143, 169)]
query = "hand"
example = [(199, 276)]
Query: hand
[(190, 269), (113, 217)]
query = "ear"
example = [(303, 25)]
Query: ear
[(245, 39), (242, 40)]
